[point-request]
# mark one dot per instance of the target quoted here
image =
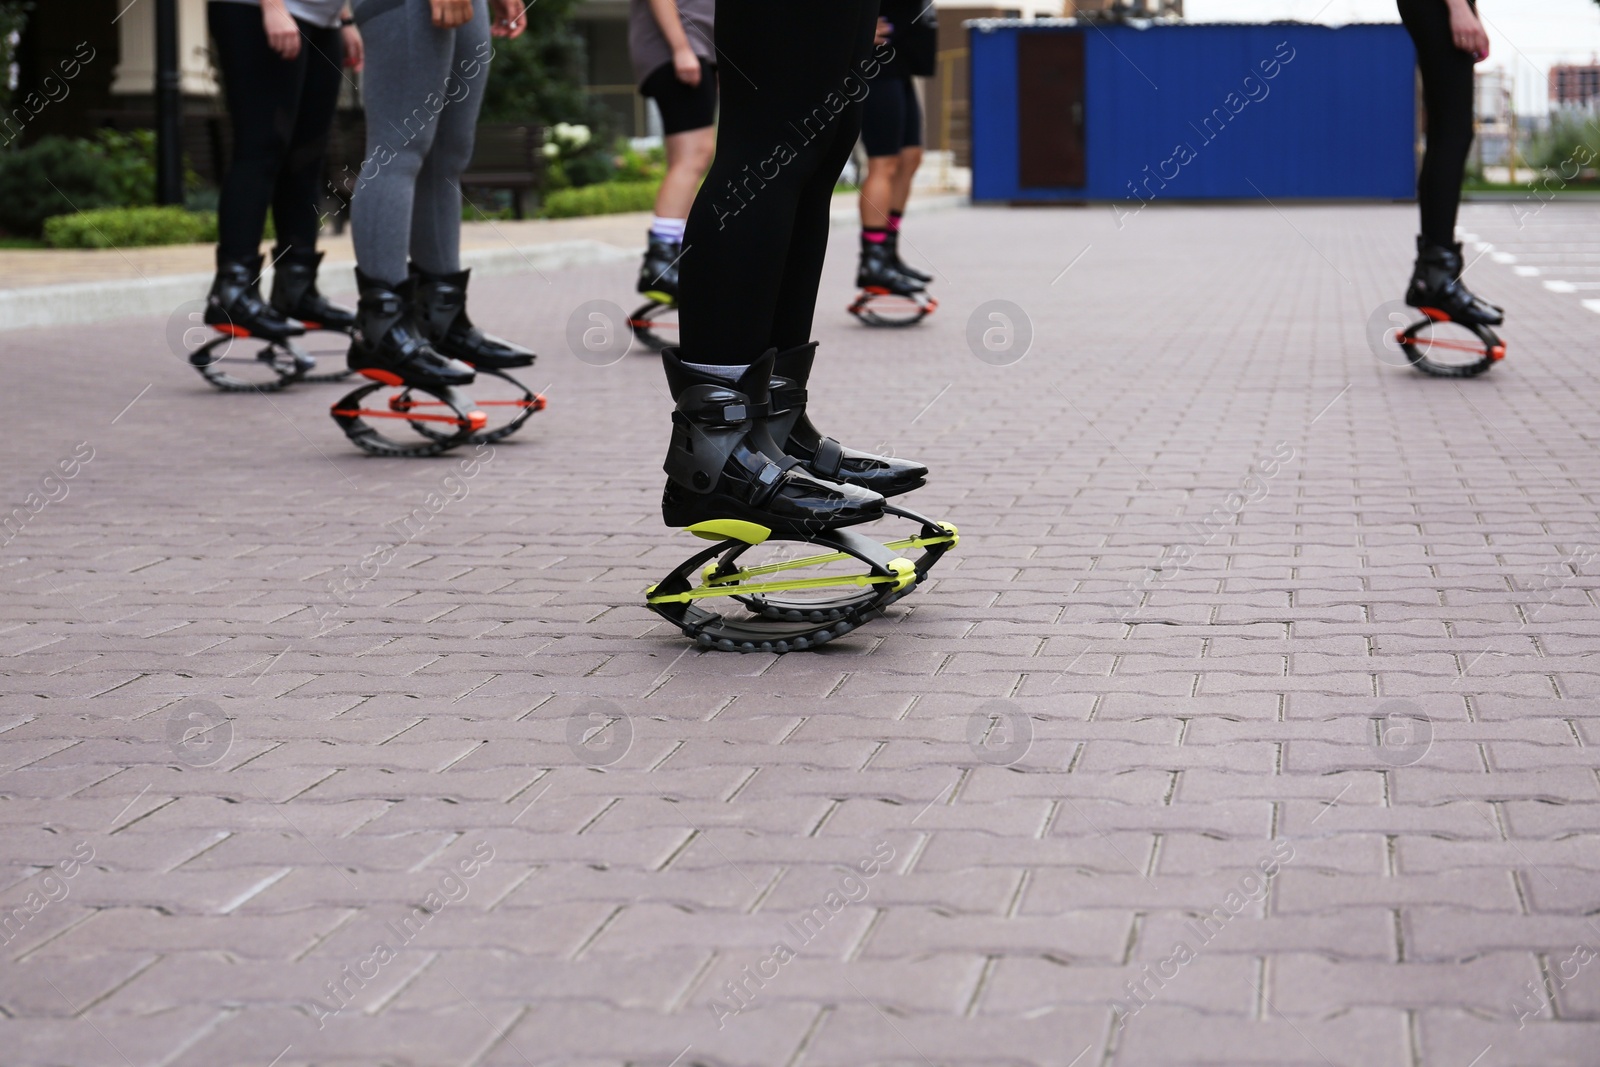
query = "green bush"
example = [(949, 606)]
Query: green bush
[(131, 164), (1569, 147), (539, 78), (602, 198), (130, 227), (574, 156), (635, 166), (51, 177)]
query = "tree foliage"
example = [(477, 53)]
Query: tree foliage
[(539, 77)]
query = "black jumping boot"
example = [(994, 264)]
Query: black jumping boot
[(899, 264), (235, 305), (441, 311), (722, 463), (388, 346), (658, 274), (878, 273), (295, 295), (1436, 284), (824, 457)]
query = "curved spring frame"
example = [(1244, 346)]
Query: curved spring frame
[(1415, 341), (519, 409), (655, 325), (877, 307), (287, 361), (456, 425), (779, 623)]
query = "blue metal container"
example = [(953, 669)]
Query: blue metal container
[(1189, 111)]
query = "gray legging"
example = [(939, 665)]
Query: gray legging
[(422, 89)]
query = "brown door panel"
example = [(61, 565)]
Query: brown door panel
[(1050, 104)]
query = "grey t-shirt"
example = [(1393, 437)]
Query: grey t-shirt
[(316, 12), (650, 50)]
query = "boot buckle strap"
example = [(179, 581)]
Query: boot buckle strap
[(829, 457), (787, 397), (719, 404)]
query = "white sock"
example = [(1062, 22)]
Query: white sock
[(668, 229), (731, 375)]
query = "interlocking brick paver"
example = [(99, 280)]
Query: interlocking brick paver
[(1409, 577)]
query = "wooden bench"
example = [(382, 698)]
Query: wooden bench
[(507, 156)]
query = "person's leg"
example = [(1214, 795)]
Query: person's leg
[(1447, 84), (883, 120), (1447, 98), (298, 193), (779, 153), (790, 428), (436, 213), (298, 196), (688, 158), (263, 92), (407, 61), (885, 125), (440, 283), (688, 155), (877, 192), (905, 173), (753, 255), (687, 114)]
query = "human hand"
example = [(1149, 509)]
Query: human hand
[(448, 14), (880, 36), (1467, 32), (355, 50), (686, 65), (512, 20), (283, 35)]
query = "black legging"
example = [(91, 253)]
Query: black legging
[(1447, 98), (281, 111), (792, 78)]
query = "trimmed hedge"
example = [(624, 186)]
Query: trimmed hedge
[(602, 198), (54, 175), (130, 227)]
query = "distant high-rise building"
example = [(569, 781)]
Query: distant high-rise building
[(1574, 86)]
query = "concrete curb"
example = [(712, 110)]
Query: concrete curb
[(79, 303)]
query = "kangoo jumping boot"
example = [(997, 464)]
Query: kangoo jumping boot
[(388, 346), (723, 464), (893, 241), (792, 431), (441, 312), (295, 295), (877, 272), (235, 305), (1436, 285), (658, 274)]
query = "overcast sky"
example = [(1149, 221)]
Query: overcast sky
[(1526, 36)]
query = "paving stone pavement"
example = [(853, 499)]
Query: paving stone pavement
[(1368, 669)]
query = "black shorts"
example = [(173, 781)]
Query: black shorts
[(891, 117), (683, 107)]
